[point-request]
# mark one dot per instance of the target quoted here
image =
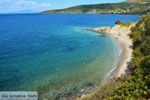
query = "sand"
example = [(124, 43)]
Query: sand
[(121, 34)]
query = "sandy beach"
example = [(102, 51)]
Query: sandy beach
[(121, 34)]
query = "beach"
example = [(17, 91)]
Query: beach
[(121, 34), (67, 60)]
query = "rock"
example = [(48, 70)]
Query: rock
[(82, 90)]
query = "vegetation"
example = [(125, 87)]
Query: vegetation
[(123, 23), (118, 22), (115, 8), (136, 84), (135, 1)]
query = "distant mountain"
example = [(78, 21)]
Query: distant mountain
[(115, 8)]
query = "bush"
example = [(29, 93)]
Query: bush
[(147, 24), (118, 22), (137, 38), (136, 61), (145, 48), (137, 52), (145, 63), (138, 71)]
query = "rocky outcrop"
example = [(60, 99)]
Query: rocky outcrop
[(102, 30)]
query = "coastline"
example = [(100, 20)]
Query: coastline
[(121, 34)]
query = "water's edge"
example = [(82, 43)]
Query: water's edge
[(89, 87)]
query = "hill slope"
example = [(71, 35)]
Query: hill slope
[(123, 8), (136, 84), (135, 1)]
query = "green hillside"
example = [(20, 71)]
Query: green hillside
[(136, 84), (136, 1), (118, 8)]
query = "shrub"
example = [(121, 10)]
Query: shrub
[(145, 63), (145, 48), (118, 22)]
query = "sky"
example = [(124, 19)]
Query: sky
[(21, 6)]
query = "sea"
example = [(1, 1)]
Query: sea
[(54, 54)]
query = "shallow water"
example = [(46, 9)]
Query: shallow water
[(54, 53)]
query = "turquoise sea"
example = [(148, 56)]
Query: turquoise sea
[(54, 54)]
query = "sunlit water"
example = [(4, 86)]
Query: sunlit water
[(53, 53)]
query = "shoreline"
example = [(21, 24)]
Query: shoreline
[(121, 34), (110, 74)]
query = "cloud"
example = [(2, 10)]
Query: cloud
[(18, 5)]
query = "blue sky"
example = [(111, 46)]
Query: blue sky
[(12, 6)]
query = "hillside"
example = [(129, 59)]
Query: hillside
[(135, 85), (115, 8), (136, 1)]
